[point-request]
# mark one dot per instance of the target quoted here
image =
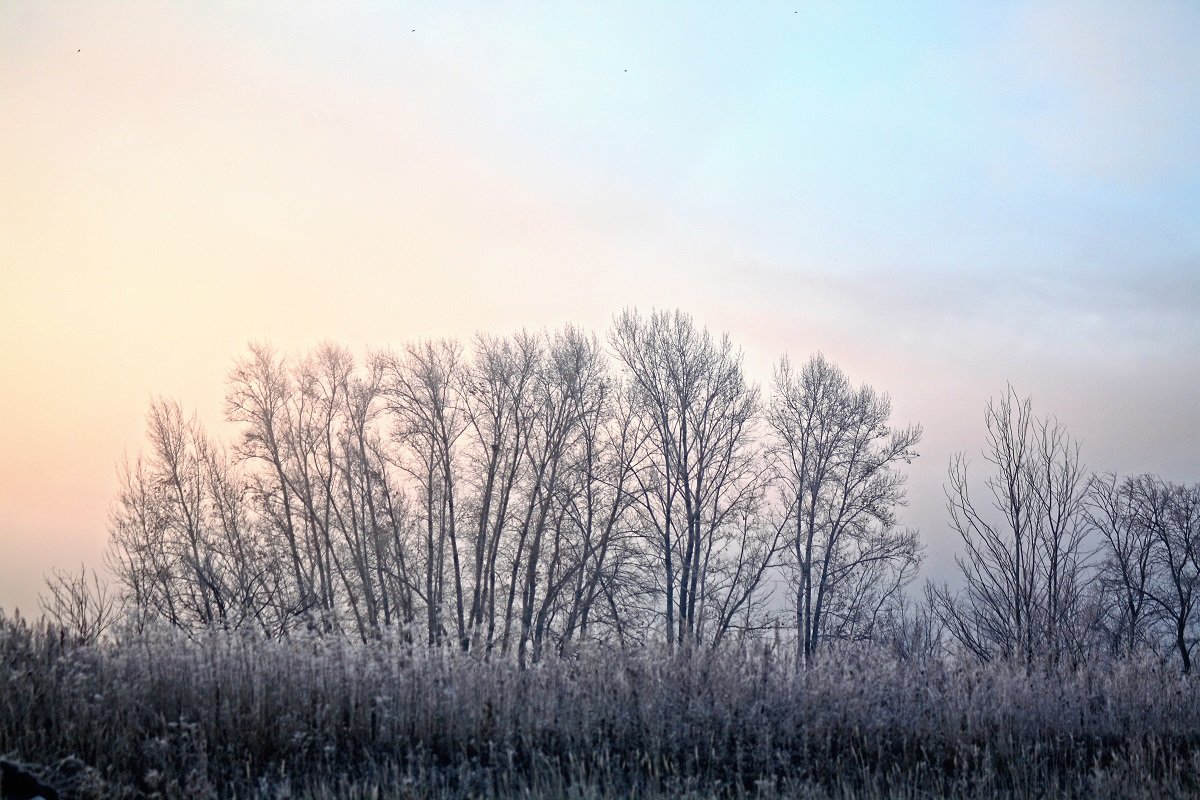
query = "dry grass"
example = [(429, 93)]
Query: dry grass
[(223, 715)]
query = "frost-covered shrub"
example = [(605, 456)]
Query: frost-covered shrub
[(162, 714)]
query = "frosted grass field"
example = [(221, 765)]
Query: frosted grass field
[(159, 714)]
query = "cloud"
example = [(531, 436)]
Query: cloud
[(1107, 319)]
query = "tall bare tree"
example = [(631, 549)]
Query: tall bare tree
[(182, 543), (600, 506), (495, 393), (1126, 567), (1170, 514), (566, 388), (700, 468), (259, 397), (837, 462), (423, 389), (1024, 566)]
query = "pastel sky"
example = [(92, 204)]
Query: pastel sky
[(941, 198)]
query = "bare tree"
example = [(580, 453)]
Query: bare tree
[(699, 467), (610, 438), (573, 373), (251, 576), (1127, 565), (180, 479), (260, 397), (495, 390), (1024, 566), (182, 543), (322, 384), (366, 506), (836, 461), (914, 629), (1170, 513), (137, 555), (423, 390), (85, 608)]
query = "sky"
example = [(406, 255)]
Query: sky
[(942, 198)]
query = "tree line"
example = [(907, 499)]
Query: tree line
[(524, 495)]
